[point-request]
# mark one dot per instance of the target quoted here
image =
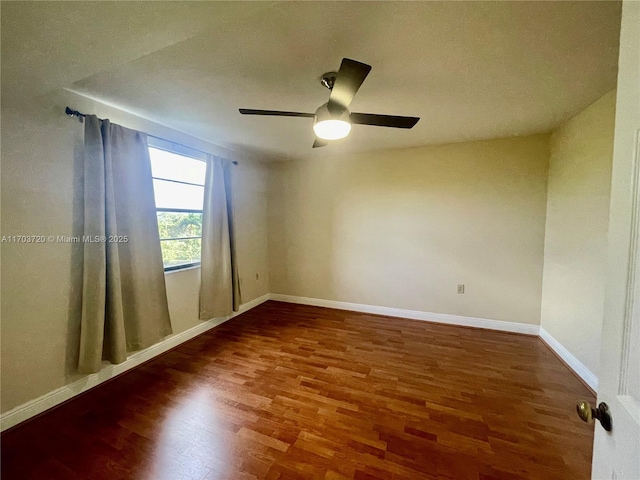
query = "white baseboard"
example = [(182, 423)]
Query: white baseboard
[(62, 394), (413, 314), (576, 365)]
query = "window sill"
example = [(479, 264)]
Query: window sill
[(178, 270)]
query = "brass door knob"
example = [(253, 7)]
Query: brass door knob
[(602, 413)]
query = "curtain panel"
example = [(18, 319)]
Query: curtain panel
[(220, 293), (124, 301)]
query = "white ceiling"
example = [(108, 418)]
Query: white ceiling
[(470, 70)]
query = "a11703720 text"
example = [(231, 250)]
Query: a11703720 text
[(65, 239)]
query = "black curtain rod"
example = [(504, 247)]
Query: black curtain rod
[(80, 116)]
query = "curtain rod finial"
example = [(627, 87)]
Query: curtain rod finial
[(74, 113)]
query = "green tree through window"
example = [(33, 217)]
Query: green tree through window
[(180, 235)]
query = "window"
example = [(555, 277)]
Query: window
[(178, 183)]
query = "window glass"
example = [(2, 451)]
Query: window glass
[(180, 253), (179, 196), (180, 224), (176, 167), (178, 183)]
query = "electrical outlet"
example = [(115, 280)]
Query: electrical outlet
[(461, 288)]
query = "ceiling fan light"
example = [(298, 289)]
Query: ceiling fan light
[(332, 129)]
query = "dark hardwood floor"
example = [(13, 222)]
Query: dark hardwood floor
[(295, 392)]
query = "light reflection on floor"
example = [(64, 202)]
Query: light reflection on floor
[(193, 442)]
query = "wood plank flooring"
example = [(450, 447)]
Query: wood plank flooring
[(297, 392)]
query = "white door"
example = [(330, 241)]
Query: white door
[(616, 454)]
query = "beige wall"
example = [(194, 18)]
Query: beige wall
[(41, 282), (576, 230), (402, 228)]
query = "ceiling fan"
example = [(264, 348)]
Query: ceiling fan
[(332, 120)]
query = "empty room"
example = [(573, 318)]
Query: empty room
[(320, 240)]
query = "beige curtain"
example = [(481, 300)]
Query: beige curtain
[(124, 301), (219, 283)]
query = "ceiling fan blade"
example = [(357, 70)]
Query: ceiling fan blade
[(348, 81), (394, 121), (275, 113), (320, 143)]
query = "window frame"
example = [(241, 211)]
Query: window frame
[(183, 151)]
